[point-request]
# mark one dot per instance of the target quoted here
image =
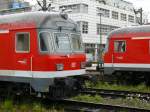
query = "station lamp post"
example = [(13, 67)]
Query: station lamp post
[(99, 59)]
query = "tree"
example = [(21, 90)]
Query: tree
[(44, 5)]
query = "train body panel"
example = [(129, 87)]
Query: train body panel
[(39, 47), (128, 50)]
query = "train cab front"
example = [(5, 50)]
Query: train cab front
[(61, 60), (62, 54)]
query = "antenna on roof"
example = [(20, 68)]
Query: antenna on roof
[(43, 5)]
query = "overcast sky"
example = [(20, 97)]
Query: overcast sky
[(145, 4)]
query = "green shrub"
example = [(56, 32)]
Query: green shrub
[(105, 85)]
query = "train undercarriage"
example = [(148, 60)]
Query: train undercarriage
[(62, 87), (131, 77)]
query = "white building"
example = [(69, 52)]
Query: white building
[(115, 14)]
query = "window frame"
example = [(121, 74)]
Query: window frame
[(55, 47), (76, 8), (115, 15), (46, 52), (123, 17), (120, 51), (81, 42), (105, 29), (16, 35), (105, 12), (85, 27), (131, 19)]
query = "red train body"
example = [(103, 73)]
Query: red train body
[(38, 47), (128, 50)]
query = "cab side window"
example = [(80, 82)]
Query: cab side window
[(120, 46), (22, 42)]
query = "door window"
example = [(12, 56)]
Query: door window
[(120, 46), (22, 42)]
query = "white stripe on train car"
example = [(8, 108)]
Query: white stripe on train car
[(139, 38), (4, 31), (41, 74), (127, 65)]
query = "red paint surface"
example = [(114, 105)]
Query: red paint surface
[(137, 51), (40, 62)]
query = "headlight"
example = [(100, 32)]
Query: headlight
[(82, 65), (59, 67)]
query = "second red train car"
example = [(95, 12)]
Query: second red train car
[(128, 51)]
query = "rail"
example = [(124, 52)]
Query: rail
[(116, 93), (91, 107)]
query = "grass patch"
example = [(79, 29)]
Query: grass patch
[(130, 102), (9, 106), (105, 85), (88, 98)]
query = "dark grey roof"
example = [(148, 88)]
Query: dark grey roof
[(41, 19), (132, 29)]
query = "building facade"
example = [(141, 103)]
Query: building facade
[(4, 4)]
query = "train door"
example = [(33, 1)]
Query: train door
[(6, 55), (118, 56), (22, 56)]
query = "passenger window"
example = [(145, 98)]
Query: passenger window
[(120, 46), (22, 42)]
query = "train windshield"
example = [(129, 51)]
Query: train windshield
[(45, 41), (62, 42), (76, 42)]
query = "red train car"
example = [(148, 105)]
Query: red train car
[(36, 48), (128, 52)]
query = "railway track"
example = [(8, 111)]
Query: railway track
[(78, 106), (116, 93)]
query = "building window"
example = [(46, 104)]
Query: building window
[(115, 15), (120, 46), (22, 42), (105, 12), (85, 27), (131, 19), (76, 8), (123, 17), (89, 48), (105, 29)]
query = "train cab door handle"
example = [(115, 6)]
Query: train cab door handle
[(22, 61)]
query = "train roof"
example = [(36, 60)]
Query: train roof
[(39, 18), (131, 29)]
